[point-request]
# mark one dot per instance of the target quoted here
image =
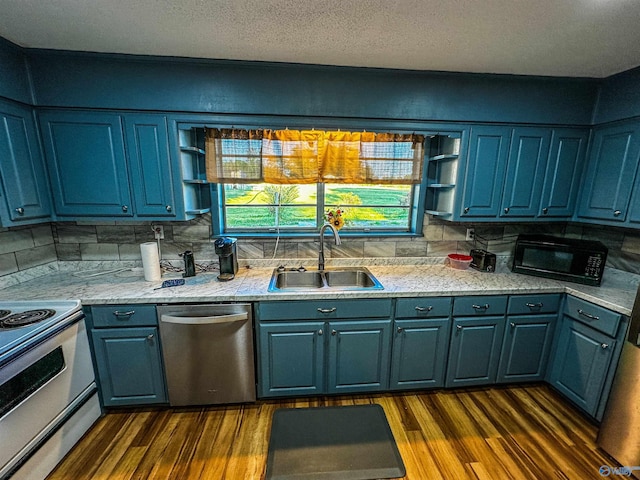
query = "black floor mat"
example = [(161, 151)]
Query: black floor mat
[(329, 443)]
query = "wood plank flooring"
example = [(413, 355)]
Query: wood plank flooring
[(522, 432)]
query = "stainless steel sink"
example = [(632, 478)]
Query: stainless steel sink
[(348, 278)]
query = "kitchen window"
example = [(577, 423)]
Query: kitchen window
[(268, 208), (273, 182)]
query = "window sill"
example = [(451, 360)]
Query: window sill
[(314, 235)]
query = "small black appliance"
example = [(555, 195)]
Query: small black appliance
[(483, 260), (226, 251), (189, 264)]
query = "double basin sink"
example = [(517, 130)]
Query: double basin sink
[(348, 278)]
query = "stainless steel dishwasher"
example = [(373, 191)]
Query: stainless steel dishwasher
[(208, 353)]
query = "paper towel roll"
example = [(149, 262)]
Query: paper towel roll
[(150, 261)]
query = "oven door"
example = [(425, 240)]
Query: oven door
[(37, 388)]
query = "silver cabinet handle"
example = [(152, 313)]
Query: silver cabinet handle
[(20, 210), (168, 208), (399, 329), (123, 315), (604, 346), (617, 213), (513, 325), (125, 208), (424, 309), (320, 332), (327, 310), (587, 315), (150, 337), (466, 210), (480, 307), (534, 305), (545, 210), (333, 332), (458, 327), (506, 210)]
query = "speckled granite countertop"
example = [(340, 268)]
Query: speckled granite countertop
[(617, 291)]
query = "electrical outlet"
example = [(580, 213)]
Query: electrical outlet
[(158, 232), (471, 234)]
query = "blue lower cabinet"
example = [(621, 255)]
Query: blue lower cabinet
[(419, 353), (581, 364), (358, 356), (291, 356), (474, 352), (129, 366), (525, 348)]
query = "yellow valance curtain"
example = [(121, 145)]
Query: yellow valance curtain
[(311, 156)]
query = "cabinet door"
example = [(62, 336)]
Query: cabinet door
[(475, 351), (580, 367), (526, 347), (562, 176), (484, 173), (152, 179), (419, 353), (613, 161), (291, 356), (87, 164), (525, 172), (24, 180), (358, 357), (129, 365)]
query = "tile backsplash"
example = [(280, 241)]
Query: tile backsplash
[(22, 248)]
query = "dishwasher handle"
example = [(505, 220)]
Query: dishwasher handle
[(206, 320)]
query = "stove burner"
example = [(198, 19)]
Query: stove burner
[(4, 313), (26, 318)]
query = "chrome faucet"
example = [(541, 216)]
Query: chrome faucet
[(336, 237)]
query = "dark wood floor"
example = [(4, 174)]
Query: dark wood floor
[(526, 432)]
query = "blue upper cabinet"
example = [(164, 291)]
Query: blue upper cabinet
[(87, 164), (484, 173), (611, 168), (149, 164), (525, 172), (562, 175), (24, 181)]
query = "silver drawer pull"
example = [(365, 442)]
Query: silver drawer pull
[(534, 305), (399, 329), (513, 325), (480, 307), (587, 315), (424, 309), (604, 346), (123, 315), (458, 327), (320, 332), (150, 337), (327, 310)]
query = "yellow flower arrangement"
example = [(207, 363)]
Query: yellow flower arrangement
[(335, 218)]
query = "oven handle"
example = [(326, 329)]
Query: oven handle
[(208, 320)]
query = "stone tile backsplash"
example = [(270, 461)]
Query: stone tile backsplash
[(22, 248)]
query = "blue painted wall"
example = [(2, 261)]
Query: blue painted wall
[(14, 78), (71, 79), (619, 97)]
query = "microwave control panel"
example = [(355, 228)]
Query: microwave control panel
[(594, 266)]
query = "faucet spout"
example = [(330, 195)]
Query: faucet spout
[(336, 239)]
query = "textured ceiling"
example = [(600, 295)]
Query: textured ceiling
[(578, 38)]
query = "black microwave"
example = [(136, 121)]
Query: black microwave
[(579, 261)]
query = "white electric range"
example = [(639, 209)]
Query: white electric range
[(48, 395)]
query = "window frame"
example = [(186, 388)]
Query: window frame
[(320, 206)]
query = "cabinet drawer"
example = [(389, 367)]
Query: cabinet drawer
[(596, 317), (325, 309), (125, 316), (480, 305), (423, 307), (532, 304)]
